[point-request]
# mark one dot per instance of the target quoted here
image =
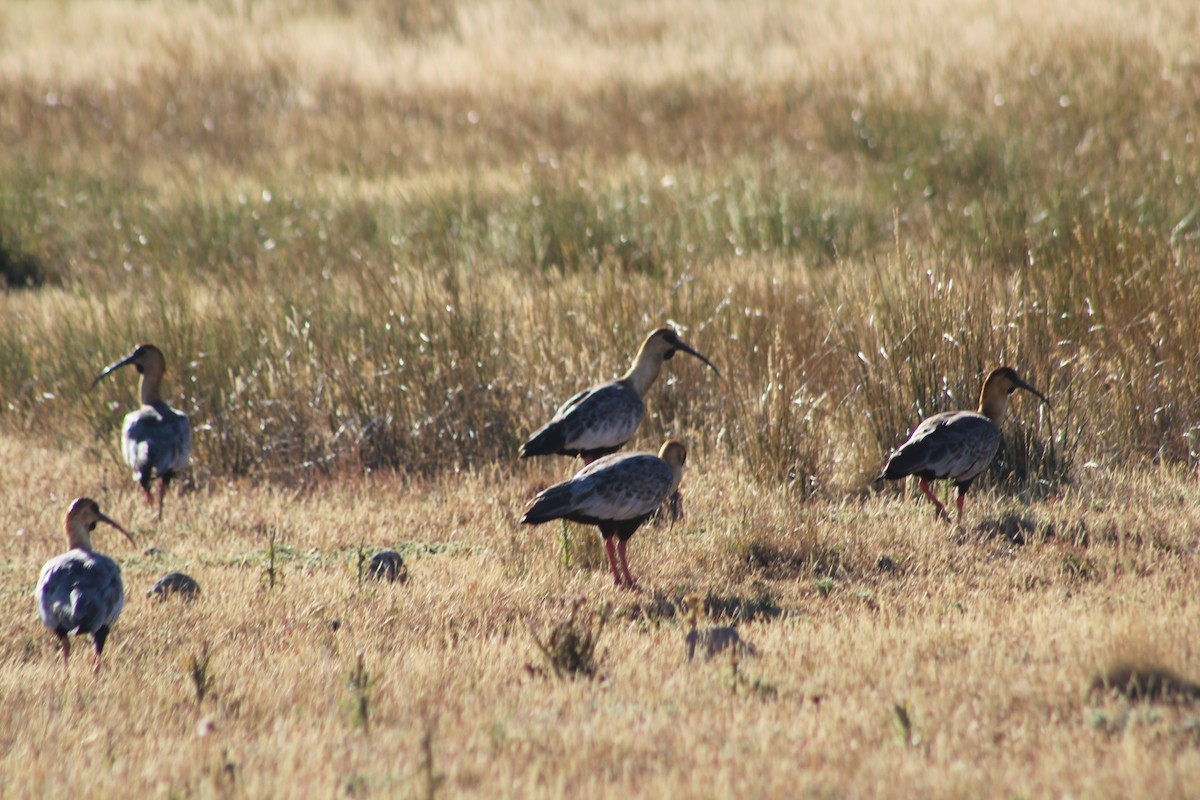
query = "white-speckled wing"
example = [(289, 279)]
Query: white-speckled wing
[(621, 486), (80, 592), (957, 445), (604, 416), (156, 440)]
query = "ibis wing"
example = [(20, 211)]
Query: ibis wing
[(621, 487), (566, 408), (956, 445), (156, 441), (601, 417), (608, 416), (80, 592)]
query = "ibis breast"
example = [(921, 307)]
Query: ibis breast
[(958, 445), (157, 440), (80, 592)]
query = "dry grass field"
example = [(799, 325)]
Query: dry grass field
[(378, 242)]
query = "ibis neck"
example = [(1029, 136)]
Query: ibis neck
[(79, 539), (676, 477), (643, 373), (993, 405), (151, 393)]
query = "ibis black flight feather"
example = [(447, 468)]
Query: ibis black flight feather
[(958, 445)]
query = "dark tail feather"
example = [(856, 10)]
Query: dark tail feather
[(904, 462), (554, 503), (545, 442)]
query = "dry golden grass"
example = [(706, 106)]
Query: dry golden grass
[(379, 241), (989, 647)]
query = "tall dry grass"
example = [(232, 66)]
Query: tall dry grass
[(347, 270)]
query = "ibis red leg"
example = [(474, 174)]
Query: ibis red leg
[(66, 649), (162, 490), (610, 548), (629, 582), (941, 509)]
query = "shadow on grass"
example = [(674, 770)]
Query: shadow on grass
[(1148, 682), (739, 608)]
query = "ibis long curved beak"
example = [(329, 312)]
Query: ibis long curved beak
[(128, 535), (690, 351), (1027, 387), (111, 368)]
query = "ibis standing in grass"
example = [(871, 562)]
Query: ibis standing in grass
[(958, 445), (156, 439), (80, 591), (617, 493), (600, 420)]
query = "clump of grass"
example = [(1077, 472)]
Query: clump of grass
[(778, 555), (361, 561), (762, 605), (224, 773), (271, 572), (360, 685), (198, 671), (432, 781), (580, 548), (761, 688), (1079, 567), (21, 266), (758, 686), (903, 724), (570, 649), (1012, 527), (783, 433), (19, 269)]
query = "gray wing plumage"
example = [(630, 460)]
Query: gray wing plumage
[(603, 416), (156, 440), (80, 592), (957, 445), (616, 487)]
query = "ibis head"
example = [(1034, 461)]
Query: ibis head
[(674, 453), (82, 519), (658, 347), (1000, 383), (150, 365)]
